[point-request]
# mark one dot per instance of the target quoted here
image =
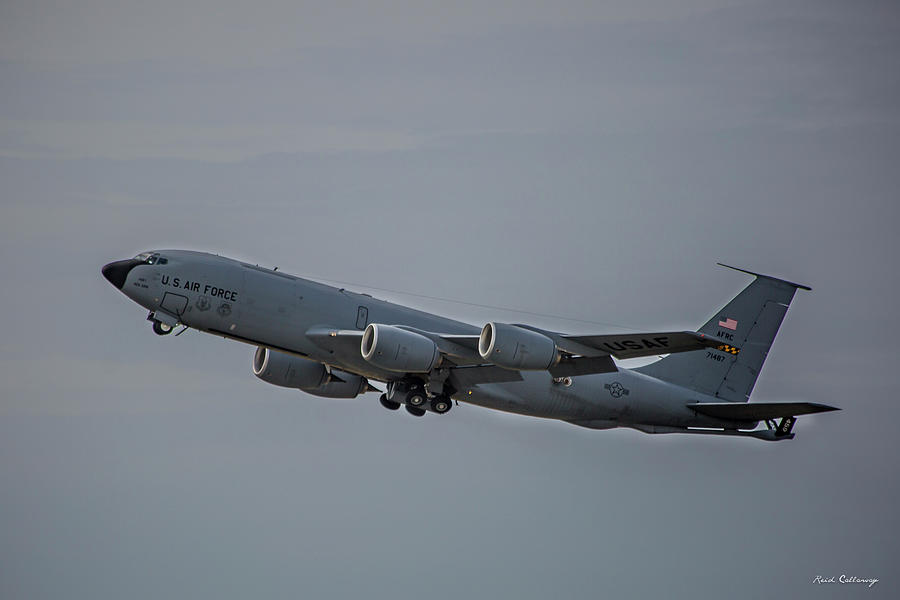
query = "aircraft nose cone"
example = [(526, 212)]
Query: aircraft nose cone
[(116, 272)]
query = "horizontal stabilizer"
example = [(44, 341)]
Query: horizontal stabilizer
[(758, 411), (790, 283)]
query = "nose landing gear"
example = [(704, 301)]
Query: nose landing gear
[(163, 323), (160, 328)]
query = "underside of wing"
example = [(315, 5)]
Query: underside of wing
[(466, 377), (572, 366)]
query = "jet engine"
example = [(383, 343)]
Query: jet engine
[(395, 349), (290, 371), (513, 347)]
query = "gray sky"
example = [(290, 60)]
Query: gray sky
[(568, 158)]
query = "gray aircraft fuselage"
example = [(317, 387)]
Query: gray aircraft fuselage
[(271, 309)]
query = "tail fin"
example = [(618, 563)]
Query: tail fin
[(749, 322)]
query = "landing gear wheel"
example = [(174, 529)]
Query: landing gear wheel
[(161, 328), (388, 404), (416, 412), (416, 397), (441, 404)]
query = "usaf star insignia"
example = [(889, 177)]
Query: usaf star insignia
[(616, 389)]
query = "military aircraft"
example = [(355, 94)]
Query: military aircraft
[(332, 342)]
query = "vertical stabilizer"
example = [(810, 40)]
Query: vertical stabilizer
[(749, 322)]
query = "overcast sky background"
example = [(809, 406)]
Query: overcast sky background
[(578, 159)]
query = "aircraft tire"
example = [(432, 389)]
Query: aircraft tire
[(416, 397), (416, 412), (388, 404), (441, 404), (162, 328)]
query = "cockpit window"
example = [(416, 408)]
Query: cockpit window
[(149, 258)]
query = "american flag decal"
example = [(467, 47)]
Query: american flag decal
[(728, 324)]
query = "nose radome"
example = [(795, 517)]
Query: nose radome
[(116, 272)]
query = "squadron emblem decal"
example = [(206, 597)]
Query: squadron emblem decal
[(616, 390), (203, 303), (224, 309)]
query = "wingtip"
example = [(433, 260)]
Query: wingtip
[(755, 274)]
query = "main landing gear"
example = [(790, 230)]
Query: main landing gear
[(441, 404), (388, 404), (416, 395), (413, 394), (416, 412)]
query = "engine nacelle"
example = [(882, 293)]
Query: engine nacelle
[(290, 371), (350, 386), (516, 348), (394, 349)]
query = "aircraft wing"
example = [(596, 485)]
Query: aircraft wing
[(459, 349), (586, 354), (340, 341), (634, 345), (581, 354)]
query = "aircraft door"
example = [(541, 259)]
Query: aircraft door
[(174, 304), (362, 317)]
